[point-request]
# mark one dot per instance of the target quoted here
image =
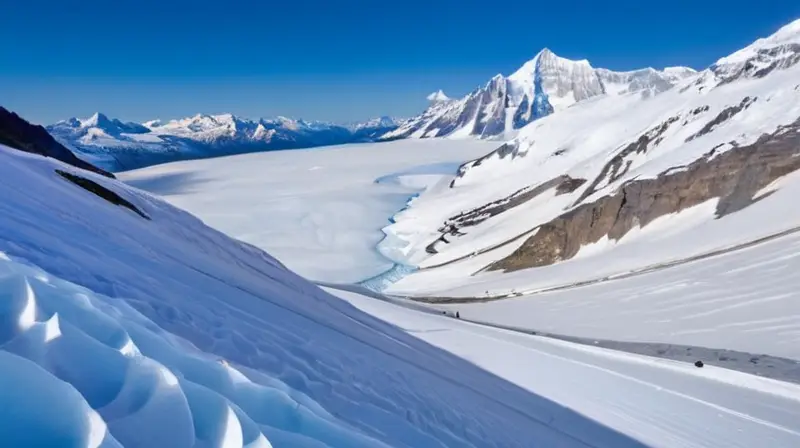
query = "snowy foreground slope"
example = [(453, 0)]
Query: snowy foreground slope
[(615, 184), (320, 211), (745, 300), (137, 325), (116, 145)]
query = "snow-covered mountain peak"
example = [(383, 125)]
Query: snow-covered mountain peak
[(562, 80), (781, 50), (98, 119), (378, 122), (289, 123), (99, 124), (547, 60), (679, 71), (789, 34), (117, 146), (545, 84), (438, 97)]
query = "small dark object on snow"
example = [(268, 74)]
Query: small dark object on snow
[(698, 364), (458, 316)]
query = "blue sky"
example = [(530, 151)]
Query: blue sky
[(333, 60)]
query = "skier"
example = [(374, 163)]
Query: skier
[(458, 316)]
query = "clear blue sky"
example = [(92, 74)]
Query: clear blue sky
[(333, 60)]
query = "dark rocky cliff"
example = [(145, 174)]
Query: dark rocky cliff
[(17, 133)]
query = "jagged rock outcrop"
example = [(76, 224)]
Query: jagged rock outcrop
[(734, 176), (101, 192), (455, 225), (17, 133)]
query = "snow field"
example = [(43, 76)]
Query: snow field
[(321, 211)]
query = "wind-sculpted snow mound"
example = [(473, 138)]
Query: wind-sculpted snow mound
[(131, 382)]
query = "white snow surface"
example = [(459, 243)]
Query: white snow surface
[(320, 210), (116, 330), (745, 300), (164, 332), (661, 403)]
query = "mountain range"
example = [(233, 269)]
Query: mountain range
[(545, 84), (17, 133), (117, 146), (716, 155)]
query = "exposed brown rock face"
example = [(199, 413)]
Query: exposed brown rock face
[(725, 115), (563, 185), (17, 133), (507, 149), (734, 176), (611, 171)]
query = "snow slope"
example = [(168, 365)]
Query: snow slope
[(744, 300), (545, 84), (118, 329), (732, 104), (320, 211), (168, 298), (118, 146), (675, 403)]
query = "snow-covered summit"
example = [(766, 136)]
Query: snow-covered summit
[(377, 122), (117, 145), (100, 122), (563, 81), (779, 51), (788, 34), (543, 85), (438, 97)]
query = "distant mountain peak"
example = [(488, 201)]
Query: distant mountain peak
[(542, 85), (117, 145), (98, 119), (438, 97)]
